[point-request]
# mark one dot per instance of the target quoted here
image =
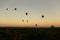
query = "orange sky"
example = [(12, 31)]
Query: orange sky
[(30, 24), (35, 9)]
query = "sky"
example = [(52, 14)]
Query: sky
[(35, 9)]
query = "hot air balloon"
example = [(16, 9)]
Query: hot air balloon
[(52, 26), (42, 16), (22, 20), (15, 9), (6, 8), (27, 20), (35, 24), (26, 13)]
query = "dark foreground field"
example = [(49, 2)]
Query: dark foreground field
[(16, 33)]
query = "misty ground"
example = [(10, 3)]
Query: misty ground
[(18, 33)]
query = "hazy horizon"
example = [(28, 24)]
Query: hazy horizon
[(35, 9)]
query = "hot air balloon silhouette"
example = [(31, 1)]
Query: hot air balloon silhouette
[(42, 16), (15, 9), (52, 26), (35, 24), (26, 20), (26, 13), (6, 8), (22, 20)]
